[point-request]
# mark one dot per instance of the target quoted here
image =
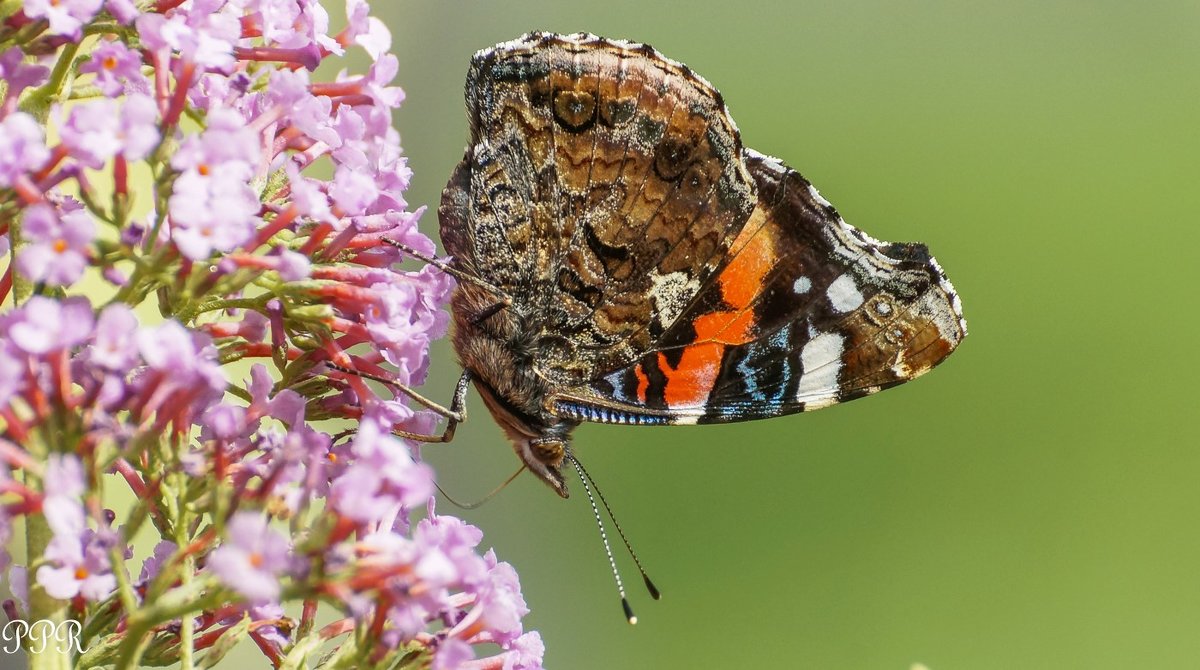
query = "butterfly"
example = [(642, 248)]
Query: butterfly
[(624, 259)]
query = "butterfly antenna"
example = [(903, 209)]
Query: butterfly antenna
[(588, 484), (629, 615), (480, 502), (654, 593)]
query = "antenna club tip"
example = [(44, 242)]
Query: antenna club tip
[(629, 615), (654, 593)]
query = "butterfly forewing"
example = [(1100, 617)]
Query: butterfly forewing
[(604, 185)]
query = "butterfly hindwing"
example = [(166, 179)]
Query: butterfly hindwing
[(805, 312), (602, 189)]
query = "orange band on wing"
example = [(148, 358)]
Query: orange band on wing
[(742, 279), (643, 382), (690, 383)]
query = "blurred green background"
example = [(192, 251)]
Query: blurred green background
[(1030, 504)]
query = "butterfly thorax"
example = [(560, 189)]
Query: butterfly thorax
[(498, 348)]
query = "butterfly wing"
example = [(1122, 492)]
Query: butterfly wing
[(806, 311), (601, 178)]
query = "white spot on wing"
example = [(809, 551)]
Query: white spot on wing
[(618, 389), (671, 294), (844, 294), (821, 361), (802, 285)]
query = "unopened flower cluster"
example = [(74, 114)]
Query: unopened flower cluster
[(206, 342)]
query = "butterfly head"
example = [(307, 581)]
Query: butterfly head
[(541, 440), (544, 456)]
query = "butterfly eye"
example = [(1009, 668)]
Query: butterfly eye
[(548, 450)]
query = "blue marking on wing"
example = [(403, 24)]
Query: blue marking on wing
[(572, 410), (748, 376)]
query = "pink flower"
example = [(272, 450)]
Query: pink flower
[(248, 199), (451, 654), (154, 563), (252, 557), (96, 131), (22, 147), (502, 603), (12, 376), (66, 17), (226, 140), (57, 252), (379, 75), (79, 566), (367, 31), (138, 131), (353, 190), (383, 478), (187, 358), (63, 485), (44, 324), (117, 69), (527, 652), (90, 133), (293, 24), (211, 212), (294, 266), (205, 34), (114, 347), (18, 74), (124, 11)]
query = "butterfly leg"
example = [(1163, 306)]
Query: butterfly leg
[(505, 299), (487, 313), (456, 414)]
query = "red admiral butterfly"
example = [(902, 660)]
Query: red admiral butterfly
[(623, 259)]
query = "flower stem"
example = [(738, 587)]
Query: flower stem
[(181, 523), (176, 603), (42, 606), (38, 102)]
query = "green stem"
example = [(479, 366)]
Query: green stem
[(181, 519), (125, 590), (22, 288), (25, 35), (42, 606), (174, 604), (194, 309), (38, 102)]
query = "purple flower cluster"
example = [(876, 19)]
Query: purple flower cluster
[(182, 172)]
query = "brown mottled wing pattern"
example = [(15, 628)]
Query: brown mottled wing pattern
[(806, 311), (601, 189)]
